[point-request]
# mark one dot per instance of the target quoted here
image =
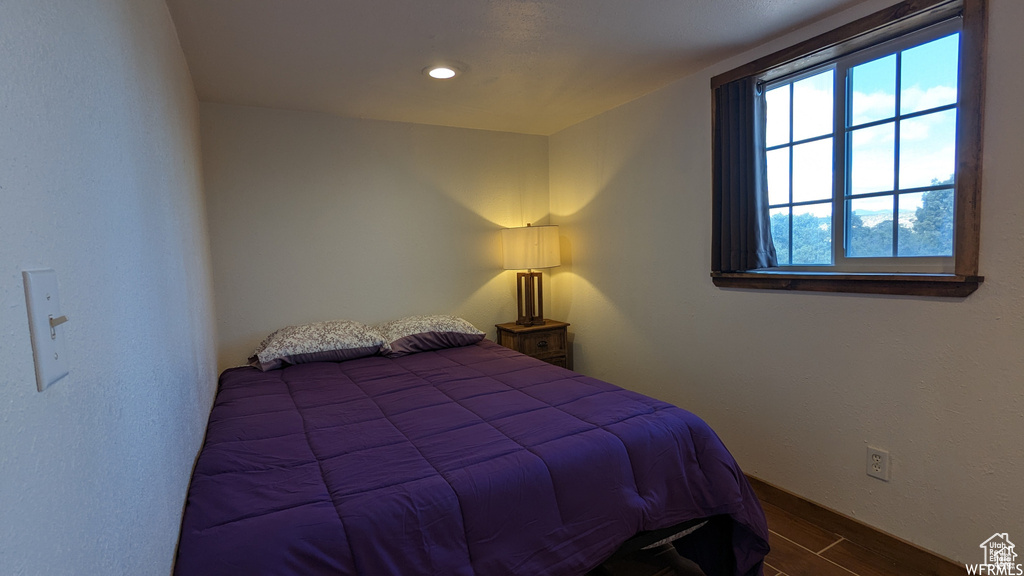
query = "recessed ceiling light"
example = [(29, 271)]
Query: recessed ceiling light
[(441, 72)]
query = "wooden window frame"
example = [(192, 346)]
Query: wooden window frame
[(883, 25)]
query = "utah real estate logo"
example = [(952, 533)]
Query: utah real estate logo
[(999, 558)]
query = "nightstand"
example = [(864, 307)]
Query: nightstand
[(548, 341)]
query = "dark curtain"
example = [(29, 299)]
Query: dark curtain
[(742, 236)]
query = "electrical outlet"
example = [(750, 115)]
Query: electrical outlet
[(878, 463)]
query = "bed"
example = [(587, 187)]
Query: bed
[(469, 460)]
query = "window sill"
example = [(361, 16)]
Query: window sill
[(947, 285)]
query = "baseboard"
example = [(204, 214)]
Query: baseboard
[(856, 531)]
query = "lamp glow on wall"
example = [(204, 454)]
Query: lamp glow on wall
[(529, 248)]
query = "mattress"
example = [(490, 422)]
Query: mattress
[(464, 461)]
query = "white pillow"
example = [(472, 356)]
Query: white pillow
[(334, 341), (424, 333)]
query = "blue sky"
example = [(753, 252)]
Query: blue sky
[(927, 143)]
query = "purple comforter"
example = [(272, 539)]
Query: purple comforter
[(466, 461)]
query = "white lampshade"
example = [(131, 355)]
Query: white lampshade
[(531, 247)]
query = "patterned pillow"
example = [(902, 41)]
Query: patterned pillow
[(320, 342), (423, 333)]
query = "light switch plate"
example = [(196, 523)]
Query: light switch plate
[(48, 346)]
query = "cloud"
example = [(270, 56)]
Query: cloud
[(916, 99), (927, 142), (879, 105)]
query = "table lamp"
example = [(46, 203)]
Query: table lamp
[(529, 248)]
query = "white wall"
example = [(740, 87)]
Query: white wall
[(797, 384), (100, 180), (315, 217)]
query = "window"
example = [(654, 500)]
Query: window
[(860, 157), (799, 157), (869, 153)]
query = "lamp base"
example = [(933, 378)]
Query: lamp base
[(530, 298)]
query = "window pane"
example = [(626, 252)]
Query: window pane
[(780, 234), (812, 171), (777, 101), (872, 159), (928, 75), (812, 234), (812, 98), (873, 88), (928, 149), (870, 227), (778, 176), (929, 229)]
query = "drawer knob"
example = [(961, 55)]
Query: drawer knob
[(542, 344)]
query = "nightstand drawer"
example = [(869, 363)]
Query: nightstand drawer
[(548, 341), (560, 361), (540, 344)]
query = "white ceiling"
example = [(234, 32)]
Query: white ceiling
[(531, 66)]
